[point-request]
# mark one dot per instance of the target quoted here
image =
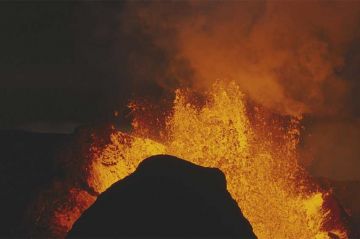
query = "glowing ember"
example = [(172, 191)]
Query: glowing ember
[(257, 155)]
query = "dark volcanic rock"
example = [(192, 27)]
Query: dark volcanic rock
[(346, 194), (165, 197), (27, 165)]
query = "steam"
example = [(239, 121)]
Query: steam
[(286, 56), (335, 146), (295, 58)]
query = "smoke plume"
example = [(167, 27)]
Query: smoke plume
[(286, 56), (295, 58)]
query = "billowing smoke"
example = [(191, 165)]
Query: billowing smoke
[(296, 58), (334, 147), (286, 56)]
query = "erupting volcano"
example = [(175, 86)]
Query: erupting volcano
[(255, 149), (261, 97)]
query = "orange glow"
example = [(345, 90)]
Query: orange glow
[(256, 153)]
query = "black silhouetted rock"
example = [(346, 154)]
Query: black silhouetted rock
[(165, 197)]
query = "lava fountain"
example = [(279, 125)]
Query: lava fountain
[(255, 150)]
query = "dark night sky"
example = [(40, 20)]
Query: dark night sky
[(68, 63), (62, 64), (65, 64)]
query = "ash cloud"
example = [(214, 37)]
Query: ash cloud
[(334, 144), (296, 58), (287, 56), (78, 62)]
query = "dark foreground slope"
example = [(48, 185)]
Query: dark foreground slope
[(27, 165), (32, 163), (165, 197), (347, 195)]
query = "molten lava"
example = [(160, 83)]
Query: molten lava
[(256, 152)]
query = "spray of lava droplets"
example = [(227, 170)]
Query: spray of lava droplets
[(256, 152), (263, 174)]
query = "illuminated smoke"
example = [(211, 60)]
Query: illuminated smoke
[(288, 57)]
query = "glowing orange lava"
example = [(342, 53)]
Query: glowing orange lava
[(261, 168), (256, 152)]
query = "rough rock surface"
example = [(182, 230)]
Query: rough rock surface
[(165, 197)]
